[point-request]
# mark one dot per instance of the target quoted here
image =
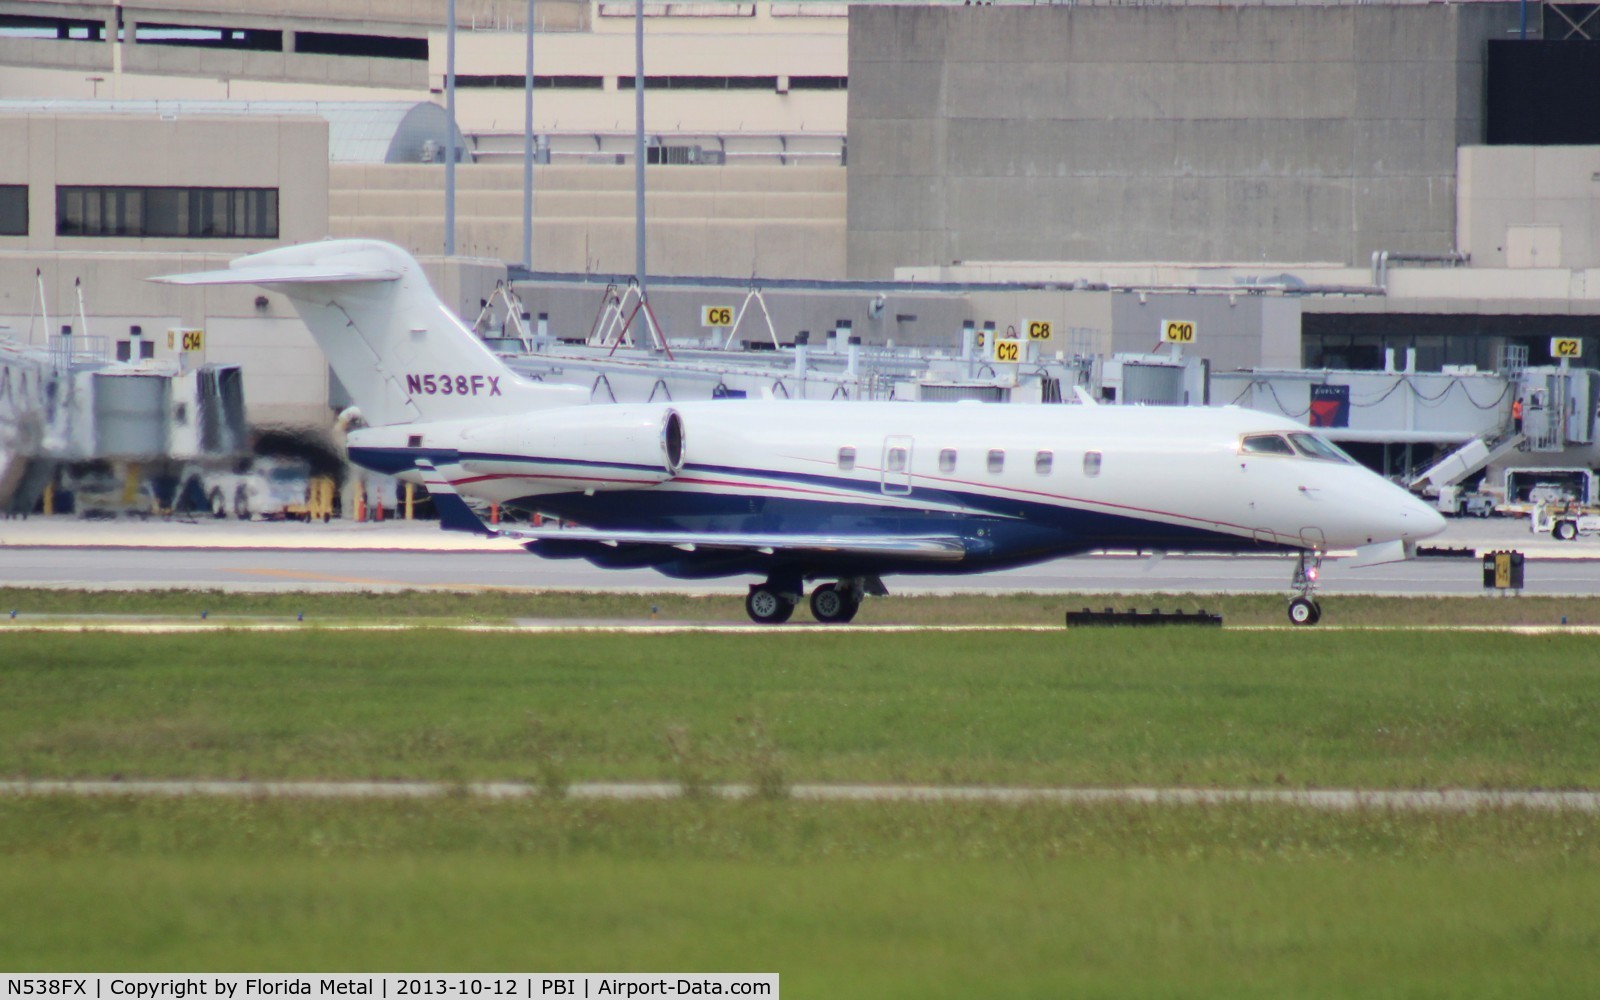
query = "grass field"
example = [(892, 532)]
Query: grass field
[(1090, 707), (845, 900), (493, 606)]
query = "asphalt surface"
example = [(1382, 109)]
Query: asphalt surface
[(66, 552)]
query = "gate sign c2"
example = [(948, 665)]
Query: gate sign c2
[(1177, 331), (185, 340), (1566, 347), (716, 315), (1038, 330)]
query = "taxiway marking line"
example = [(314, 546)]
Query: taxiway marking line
[(1336, 800)]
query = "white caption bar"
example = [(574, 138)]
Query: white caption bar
[(387, 986)]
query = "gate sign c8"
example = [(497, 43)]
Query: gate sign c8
[(1038, 330), (1177, 331), (1008, 351), (185, 340), (1566, 347), (716, 315)]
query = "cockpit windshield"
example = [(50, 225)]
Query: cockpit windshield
[(1312, 446), (1265, 444), (1291, 445)]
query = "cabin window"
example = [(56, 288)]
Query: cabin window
[(1091, 463), (1043, 461), (1321, 449), (1265, 444), (895, 461), (947, 460), (847, 459), (997, 460)]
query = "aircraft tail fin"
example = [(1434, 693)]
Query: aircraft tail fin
[(399, 351)]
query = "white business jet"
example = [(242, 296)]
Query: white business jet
[(842, 494)]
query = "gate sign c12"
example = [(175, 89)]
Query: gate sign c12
[(1566, 347), (1177, 331), (1008, 350), (716, 315), (1038, 330)]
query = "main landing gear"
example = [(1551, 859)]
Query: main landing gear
[(1304, 609), (773, 602)]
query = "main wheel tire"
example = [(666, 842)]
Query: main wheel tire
[(766, 606), (219, 507), (833, 606), (1566, 531), (241, 503), (1304, 611)]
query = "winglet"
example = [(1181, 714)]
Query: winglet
[(454, 514)]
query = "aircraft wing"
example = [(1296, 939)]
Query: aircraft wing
[(456, 515)]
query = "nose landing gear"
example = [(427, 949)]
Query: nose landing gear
[(1303, 608)]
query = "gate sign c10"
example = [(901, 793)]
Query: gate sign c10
[(1038, 330), (185, 340), (1008, 351), (1566, 347), (716, 315), (1177, 331)]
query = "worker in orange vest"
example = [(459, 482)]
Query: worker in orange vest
[(1516, 415)]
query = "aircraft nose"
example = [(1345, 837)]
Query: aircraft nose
[(1416, 519)]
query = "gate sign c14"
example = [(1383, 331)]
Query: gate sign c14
[(1177, 331), (1038, 329), (185, 340), (1566, 347), (716, 315)]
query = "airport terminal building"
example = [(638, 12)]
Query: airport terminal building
[(1310, 184)]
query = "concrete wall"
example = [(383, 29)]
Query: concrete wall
[(43, 151), (1315, 133), (730, 221), (1530, 206)]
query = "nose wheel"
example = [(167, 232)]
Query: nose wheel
[(1303, 608)]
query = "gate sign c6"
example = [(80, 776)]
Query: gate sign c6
[(1177, 331), (716, 315), (1566, 347), (1008, 351)]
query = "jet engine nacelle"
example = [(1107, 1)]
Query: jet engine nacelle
[(599, 448), (588, 447)]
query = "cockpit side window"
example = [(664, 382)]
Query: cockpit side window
[(1312, 446), (1265, 444)]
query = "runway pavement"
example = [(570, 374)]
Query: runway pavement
[(398, 555)]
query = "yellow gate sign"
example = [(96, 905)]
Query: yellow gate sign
[(716, 315), (1566, 347), (1008, 351), (1039, 330), (179, 339), (1177, 331)]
